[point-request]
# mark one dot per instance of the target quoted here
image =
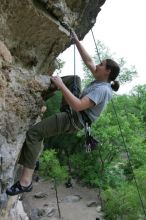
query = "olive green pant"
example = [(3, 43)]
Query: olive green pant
[(56, 124)]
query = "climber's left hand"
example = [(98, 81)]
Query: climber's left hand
[(57, 81)]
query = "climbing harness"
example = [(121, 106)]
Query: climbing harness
[(87, 139), (90, 142)]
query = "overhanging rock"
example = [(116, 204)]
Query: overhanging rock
[(32, 35)]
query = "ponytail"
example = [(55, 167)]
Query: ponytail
[(115, 85), (114, 72)]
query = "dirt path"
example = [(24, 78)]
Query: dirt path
[(70, 210)]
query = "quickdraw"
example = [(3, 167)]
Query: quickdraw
[(90, 142)]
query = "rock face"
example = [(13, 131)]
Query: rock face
[(32, 34)]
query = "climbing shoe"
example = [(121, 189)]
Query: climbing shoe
[(18, 189)]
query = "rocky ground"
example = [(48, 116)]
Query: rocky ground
[(75, 203)]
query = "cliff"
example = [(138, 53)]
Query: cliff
[(32, 34)]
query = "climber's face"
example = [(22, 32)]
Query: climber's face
[(102, 73)]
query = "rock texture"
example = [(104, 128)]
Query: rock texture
[(32, 34)]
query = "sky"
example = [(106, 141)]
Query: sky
[(120, 25)]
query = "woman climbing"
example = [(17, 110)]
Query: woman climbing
[(89, 103)]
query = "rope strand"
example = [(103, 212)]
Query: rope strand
[(129, 159), (126, 149), (96, 46)]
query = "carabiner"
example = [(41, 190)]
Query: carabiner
[(88, 148)]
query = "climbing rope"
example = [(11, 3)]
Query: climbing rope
[(74, 91), (96, 46), (129, 159), (125, 146)]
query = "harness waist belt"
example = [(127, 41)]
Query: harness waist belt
[(85, 118)]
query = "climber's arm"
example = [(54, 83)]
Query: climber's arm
[(75, 103), (84, 54)]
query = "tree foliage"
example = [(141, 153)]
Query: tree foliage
[(51, 168)]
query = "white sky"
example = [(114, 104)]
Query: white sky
[(120, 25)]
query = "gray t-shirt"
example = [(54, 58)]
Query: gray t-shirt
[(100, 93)]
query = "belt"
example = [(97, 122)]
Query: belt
[(86, 118)]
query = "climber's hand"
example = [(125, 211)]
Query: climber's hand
[(43, 109), (57, 81)]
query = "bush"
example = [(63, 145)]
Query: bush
[(50, 166), (124, 201)]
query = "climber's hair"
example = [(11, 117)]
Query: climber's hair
[(114, 72)]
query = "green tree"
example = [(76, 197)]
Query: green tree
[(127, 72), (139, 95)]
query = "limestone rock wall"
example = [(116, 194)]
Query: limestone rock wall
[(32, 34)]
